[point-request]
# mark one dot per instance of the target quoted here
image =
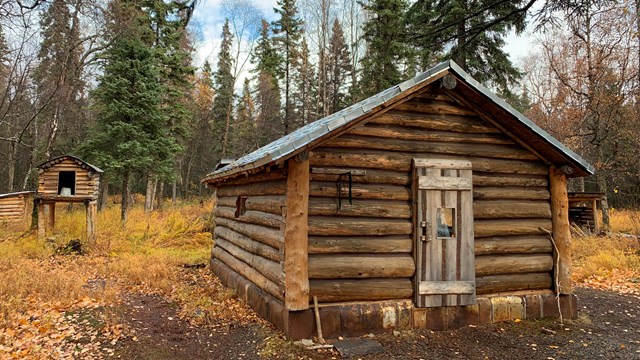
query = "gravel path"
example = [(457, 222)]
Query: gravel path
[(607, 328)]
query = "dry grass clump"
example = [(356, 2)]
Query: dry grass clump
[(609, 262), (625, 221), (147, 253)]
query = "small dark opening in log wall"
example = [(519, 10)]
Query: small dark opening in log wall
[(67, 183), (241, 206)]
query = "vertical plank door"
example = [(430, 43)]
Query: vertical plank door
[(443, 223)]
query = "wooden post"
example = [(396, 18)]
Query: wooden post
[(295, 235), (561, 229), (596, 221), (41, 220), (51, 217), (92, 212)]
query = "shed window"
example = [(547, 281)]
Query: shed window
[(445, 218), (67, 183), (241, 207)]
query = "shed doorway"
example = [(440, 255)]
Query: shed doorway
[(67, 183), (443, 228)]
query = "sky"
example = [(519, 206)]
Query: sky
[(208, 20)]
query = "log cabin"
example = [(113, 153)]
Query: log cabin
[(14, 206), (66, 179), (433, 204)]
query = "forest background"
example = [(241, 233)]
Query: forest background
[(118, 83)]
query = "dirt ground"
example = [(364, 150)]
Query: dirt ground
[(607, 328)]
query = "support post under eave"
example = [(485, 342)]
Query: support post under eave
[(41, 220), (296, 254), (561, 230)]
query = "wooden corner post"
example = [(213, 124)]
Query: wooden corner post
[(296, 254), (561, 229)]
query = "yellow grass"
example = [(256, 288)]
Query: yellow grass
[(612, 261), (147, 252)]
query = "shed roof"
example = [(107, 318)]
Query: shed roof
[(16, 194), (56, 160), (312, 134)]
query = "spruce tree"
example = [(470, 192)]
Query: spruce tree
[(288, 31), (244, 128), (385, 57), (339, 68), (133, 134), (58, 76), (304, 79), (443, 29), (266, 61), (223, 103)]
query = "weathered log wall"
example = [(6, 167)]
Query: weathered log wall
[(252, 244), (363, 250), (13, 207), (87, 184)]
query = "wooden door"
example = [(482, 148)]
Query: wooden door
[(443, 219)]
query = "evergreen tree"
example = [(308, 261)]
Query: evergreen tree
[(58, 76), (304, 80), (266, 60), (244, 129), (133, 133), (444, 29), (386, 53), (223, 103), (288, 31), (339, 68)]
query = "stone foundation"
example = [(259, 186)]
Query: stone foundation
[(355, 319)]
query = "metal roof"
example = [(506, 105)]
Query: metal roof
[(16, 194), (307, 136), (58, 159)]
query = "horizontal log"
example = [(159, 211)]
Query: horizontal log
[(513, 264), (355, 226), (414, 134), (359, 191), (446, 287), (402, 161), (385, 144), (371, 177), (443, 183), (360, 207), (250, 217), (512, 282), (246, 243), (360, 289), (513, 245), (360, 244), (456, 123), (516, 193), (492, 180), (435, 107), (256, 178), (361, 266), (486, 228), (248, 272), (507, 209), (269, 204), (265, 235), (270, 269), (276, 187)]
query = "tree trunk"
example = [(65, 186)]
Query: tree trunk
[(160, 196), (174, 190), (601, 183), (104, 192), (11, 164), (124, 204), (152, 181)]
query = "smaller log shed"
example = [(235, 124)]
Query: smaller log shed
[(66, 179), (13, 206), (428, 205)]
